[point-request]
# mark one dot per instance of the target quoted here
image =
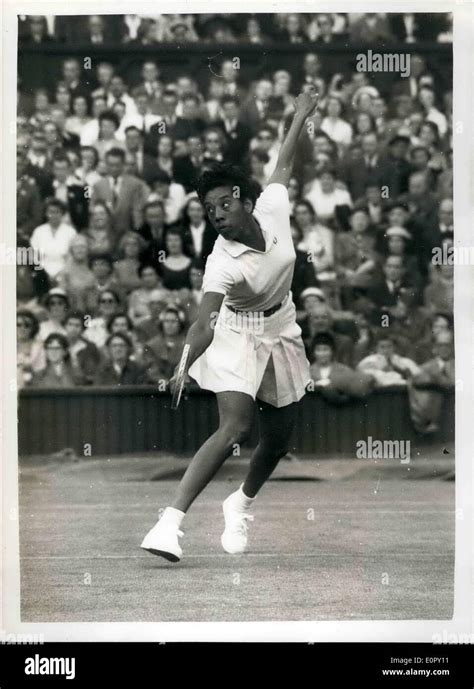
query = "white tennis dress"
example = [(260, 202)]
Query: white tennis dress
[(263, 357)]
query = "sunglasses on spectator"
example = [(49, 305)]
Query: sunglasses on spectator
[(106, 301)]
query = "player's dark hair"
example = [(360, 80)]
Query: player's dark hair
[(224, 175)]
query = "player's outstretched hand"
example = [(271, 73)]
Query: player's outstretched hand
[(306, 103)]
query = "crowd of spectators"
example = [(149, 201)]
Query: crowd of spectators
[(105, 195)]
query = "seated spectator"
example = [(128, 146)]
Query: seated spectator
[(335, 381), (85, 356), (387, 292), (303, 273), (102, 268), (138, 303), (56, 304), (123, 194), (294, 193), (119, 369), (334, 125), (153, 233), (29, 206), (437, 323), (86, 173), (174, 270), (144, 165), (163, 352), (267, 142), (126, 268), (318, 240), (120, 322), (30, 356), (90, 132), (58, 372), (150, 325), (191, 301), (72, 194), (197, 232), (170, 194), (365, 341), (386, 366), (76, 277), (99, 235), (80, 115), (430, 384), (53, 239), (32, 283), (237, 135), (258, 161), (96, 328), (320, 320), (325, 196), (439, 293), (399, 242)]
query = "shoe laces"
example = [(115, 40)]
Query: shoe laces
[(240, 526)]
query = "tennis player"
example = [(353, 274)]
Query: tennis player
[(245, 345)]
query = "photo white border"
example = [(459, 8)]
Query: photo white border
[(318, 631)]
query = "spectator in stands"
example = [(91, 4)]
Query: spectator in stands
[(126, 268), (70, 192), (29, 208), (170, 194), (153, 233), (334, 125), (102, 268), (85, 356), (86, 173), (76, 276), (318, 241), (371, 27), (326, 196), (162, 353), (53, 239), (100, 237), (386, 366), (197, 232), (119, 369), (386, 292), (30, 353), (139, 299), (145, 165), (90, 132), (174, 270), (237, 134), (32, 283), (320, 320), (335, 381), (439, 293), (58, 371), (108, 303), (80, 115), (149, 326), (434, 379), (123, 194), (120, 322)]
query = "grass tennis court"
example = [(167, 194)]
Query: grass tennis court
[(331, 540)]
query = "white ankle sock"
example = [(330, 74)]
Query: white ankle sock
[(173, 516), (243, 500)]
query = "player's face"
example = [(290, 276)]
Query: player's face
[(227, 213)]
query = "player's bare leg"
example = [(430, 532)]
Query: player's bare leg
[(236, 412), (276, 426)]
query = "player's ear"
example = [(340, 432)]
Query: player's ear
[(248, 205)]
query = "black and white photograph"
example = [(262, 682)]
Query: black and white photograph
[(233, 264)]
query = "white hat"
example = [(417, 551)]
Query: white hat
[(313, 292), (398, 232)]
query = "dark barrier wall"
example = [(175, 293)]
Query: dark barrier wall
[(41, 65), (135, 419)]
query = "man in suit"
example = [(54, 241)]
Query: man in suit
[(320, 320), (187, 168), (429, 386), (152, 232), (167, 111), (145, 165), (73, 195), (67, 140), (393, 168), (29, 209), (124, 194), (71, 76), (237, 134), (150, 85), (360, 172), (386, 293), (199, 235), (255, 109)]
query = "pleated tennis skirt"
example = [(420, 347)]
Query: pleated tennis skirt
[(261, 357)]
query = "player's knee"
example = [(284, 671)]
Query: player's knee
[(237, 434)]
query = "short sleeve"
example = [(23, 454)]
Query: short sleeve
[(220, 276), (273, 199)]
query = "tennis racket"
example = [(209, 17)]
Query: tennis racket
[(180, 376)]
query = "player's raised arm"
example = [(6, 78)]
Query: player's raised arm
[(305, 104)]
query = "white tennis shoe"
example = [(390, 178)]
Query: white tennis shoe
[(162, 540), (234, 538)]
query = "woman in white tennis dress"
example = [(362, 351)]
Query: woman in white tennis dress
[(245, 345)]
